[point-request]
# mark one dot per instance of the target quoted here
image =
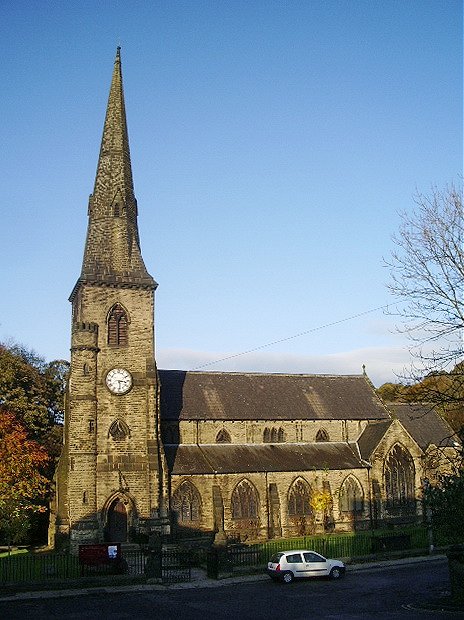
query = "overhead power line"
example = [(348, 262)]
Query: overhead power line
[(308, 331)]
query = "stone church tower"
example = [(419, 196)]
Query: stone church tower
[(111, 480)]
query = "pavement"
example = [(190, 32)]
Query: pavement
[(200, 580)]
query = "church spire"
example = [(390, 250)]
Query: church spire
[(114, 171), (112, 254)]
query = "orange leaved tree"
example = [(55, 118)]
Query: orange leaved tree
[(23, 486)]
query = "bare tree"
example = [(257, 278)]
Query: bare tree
[(427, 277)]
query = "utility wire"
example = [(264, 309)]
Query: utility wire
[(308, 331)]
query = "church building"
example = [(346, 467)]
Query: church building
[(238, 456)]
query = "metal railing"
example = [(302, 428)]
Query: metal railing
[(174, 563), (174, 566)]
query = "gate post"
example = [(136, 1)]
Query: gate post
[(212, 563)]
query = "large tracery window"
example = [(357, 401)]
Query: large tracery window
[(186, 503), (244, 502), (351, 496), (299, 499), (399, 478), (118, 326)]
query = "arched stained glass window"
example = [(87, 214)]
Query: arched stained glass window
[(118, 326), (186, 503), (299, 499), (399, 478), (244, 502), (351, 496)]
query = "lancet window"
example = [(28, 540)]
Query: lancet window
[(274, 435), (118, 326)]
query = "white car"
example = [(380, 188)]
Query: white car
[(286, 566)]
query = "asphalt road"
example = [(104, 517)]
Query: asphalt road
[(381, 592)]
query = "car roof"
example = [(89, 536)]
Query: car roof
[(299, 551)]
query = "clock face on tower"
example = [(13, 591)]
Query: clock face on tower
[(119, 380)]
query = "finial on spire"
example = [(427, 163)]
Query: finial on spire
[(364, 369), (118, 53)]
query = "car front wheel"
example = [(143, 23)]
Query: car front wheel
[(287, 577), (336, 573)]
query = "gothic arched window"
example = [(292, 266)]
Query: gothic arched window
[(244, 502), (186, 503), (399, 478), (281, 435), (322, 435), (299, 499), (266, 435), (351, 496), (223, 436), (118, 326)]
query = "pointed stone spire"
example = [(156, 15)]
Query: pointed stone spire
[(112, 253)]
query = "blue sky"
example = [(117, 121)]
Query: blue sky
[(273, 145)]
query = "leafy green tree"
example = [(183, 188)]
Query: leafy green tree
[(32, 389), (441, 391), (391, 392)]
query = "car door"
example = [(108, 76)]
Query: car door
[(296, 564), (315, 565)]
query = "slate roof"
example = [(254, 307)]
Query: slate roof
[(371, 436), (424, 424), (232, 458), (254, 396)]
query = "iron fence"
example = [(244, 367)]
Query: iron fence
[(30, 567), (241, 558), (351, 545), (174, 567), (174, 564)]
